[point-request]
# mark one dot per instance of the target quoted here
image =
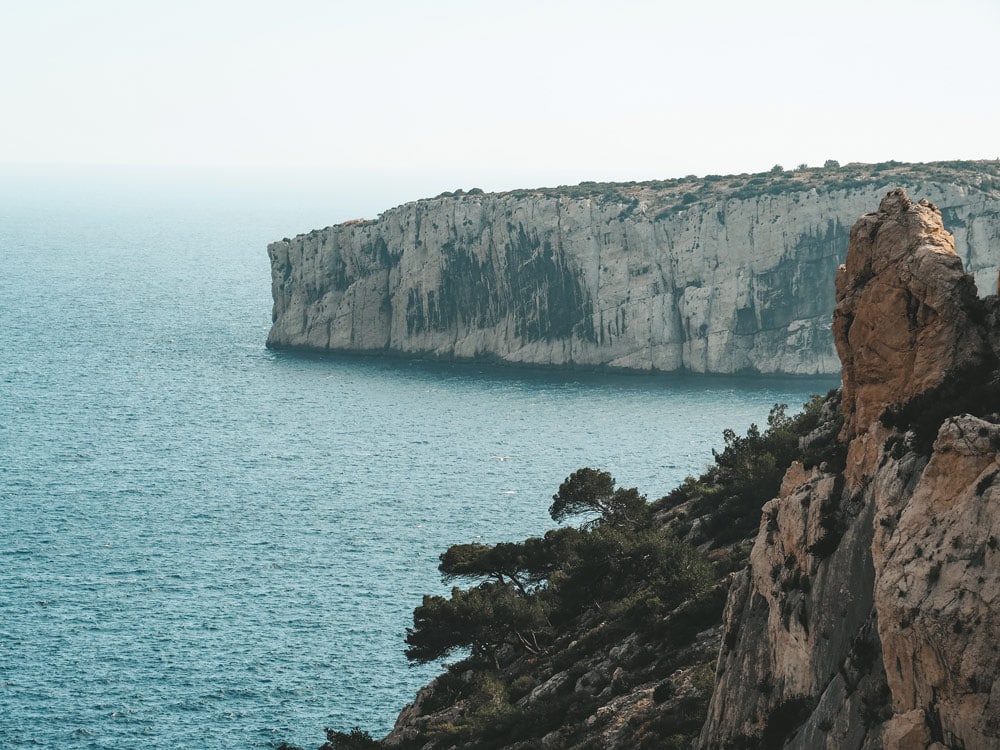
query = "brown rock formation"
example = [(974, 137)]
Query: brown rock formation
[(903, 320), (870, 614), (937, 589)]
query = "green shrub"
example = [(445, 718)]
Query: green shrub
[(558, 602), (356, 739), (747, 473)]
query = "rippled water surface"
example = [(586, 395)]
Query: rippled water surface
[(207, 544)]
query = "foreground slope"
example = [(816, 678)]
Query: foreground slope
[(718, 274)]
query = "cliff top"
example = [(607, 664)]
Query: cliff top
[(902, 267), (665, 197), (686, 191)]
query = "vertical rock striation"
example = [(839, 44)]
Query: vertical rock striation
[(869, 615), (687, 274)]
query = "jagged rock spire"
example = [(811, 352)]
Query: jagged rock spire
[(903, 321)]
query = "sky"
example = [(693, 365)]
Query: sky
[(497, 95)]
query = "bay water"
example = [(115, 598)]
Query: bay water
[(207, 544)]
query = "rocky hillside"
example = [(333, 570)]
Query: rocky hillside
[(603, 634), (869, 615), (714, 274)]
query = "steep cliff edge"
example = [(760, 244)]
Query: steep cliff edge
[(869, 614), (720, 274)]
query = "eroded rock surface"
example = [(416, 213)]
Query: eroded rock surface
[(869, 615), (905, 311), (695, 275)]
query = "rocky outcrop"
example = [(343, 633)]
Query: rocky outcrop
[(715, 275), (869, 614), (905, 311)]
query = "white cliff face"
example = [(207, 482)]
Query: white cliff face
[(724, 286)]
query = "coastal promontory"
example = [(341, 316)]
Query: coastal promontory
[(721, 274)]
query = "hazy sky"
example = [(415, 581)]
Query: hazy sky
[(499, 94)]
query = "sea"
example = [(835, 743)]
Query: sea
[(204, 543)]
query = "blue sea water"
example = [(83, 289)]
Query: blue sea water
[(207, 544)]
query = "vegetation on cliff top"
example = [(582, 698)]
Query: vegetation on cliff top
[(664, 197), (559, 634)]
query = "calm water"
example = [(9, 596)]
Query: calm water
[(206, 544)]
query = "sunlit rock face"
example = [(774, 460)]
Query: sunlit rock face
[(869, 615), (905, 310), (636, 281)]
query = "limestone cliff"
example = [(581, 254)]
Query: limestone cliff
[(869, 616), (721, 274)]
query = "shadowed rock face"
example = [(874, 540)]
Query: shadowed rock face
[(870, 614), (728, 285)]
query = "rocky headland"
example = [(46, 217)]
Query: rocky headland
[(869, 615), (721, 274), (831, 582)]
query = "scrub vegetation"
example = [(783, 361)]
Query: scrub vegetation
[(663, 198), (621, 608)]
